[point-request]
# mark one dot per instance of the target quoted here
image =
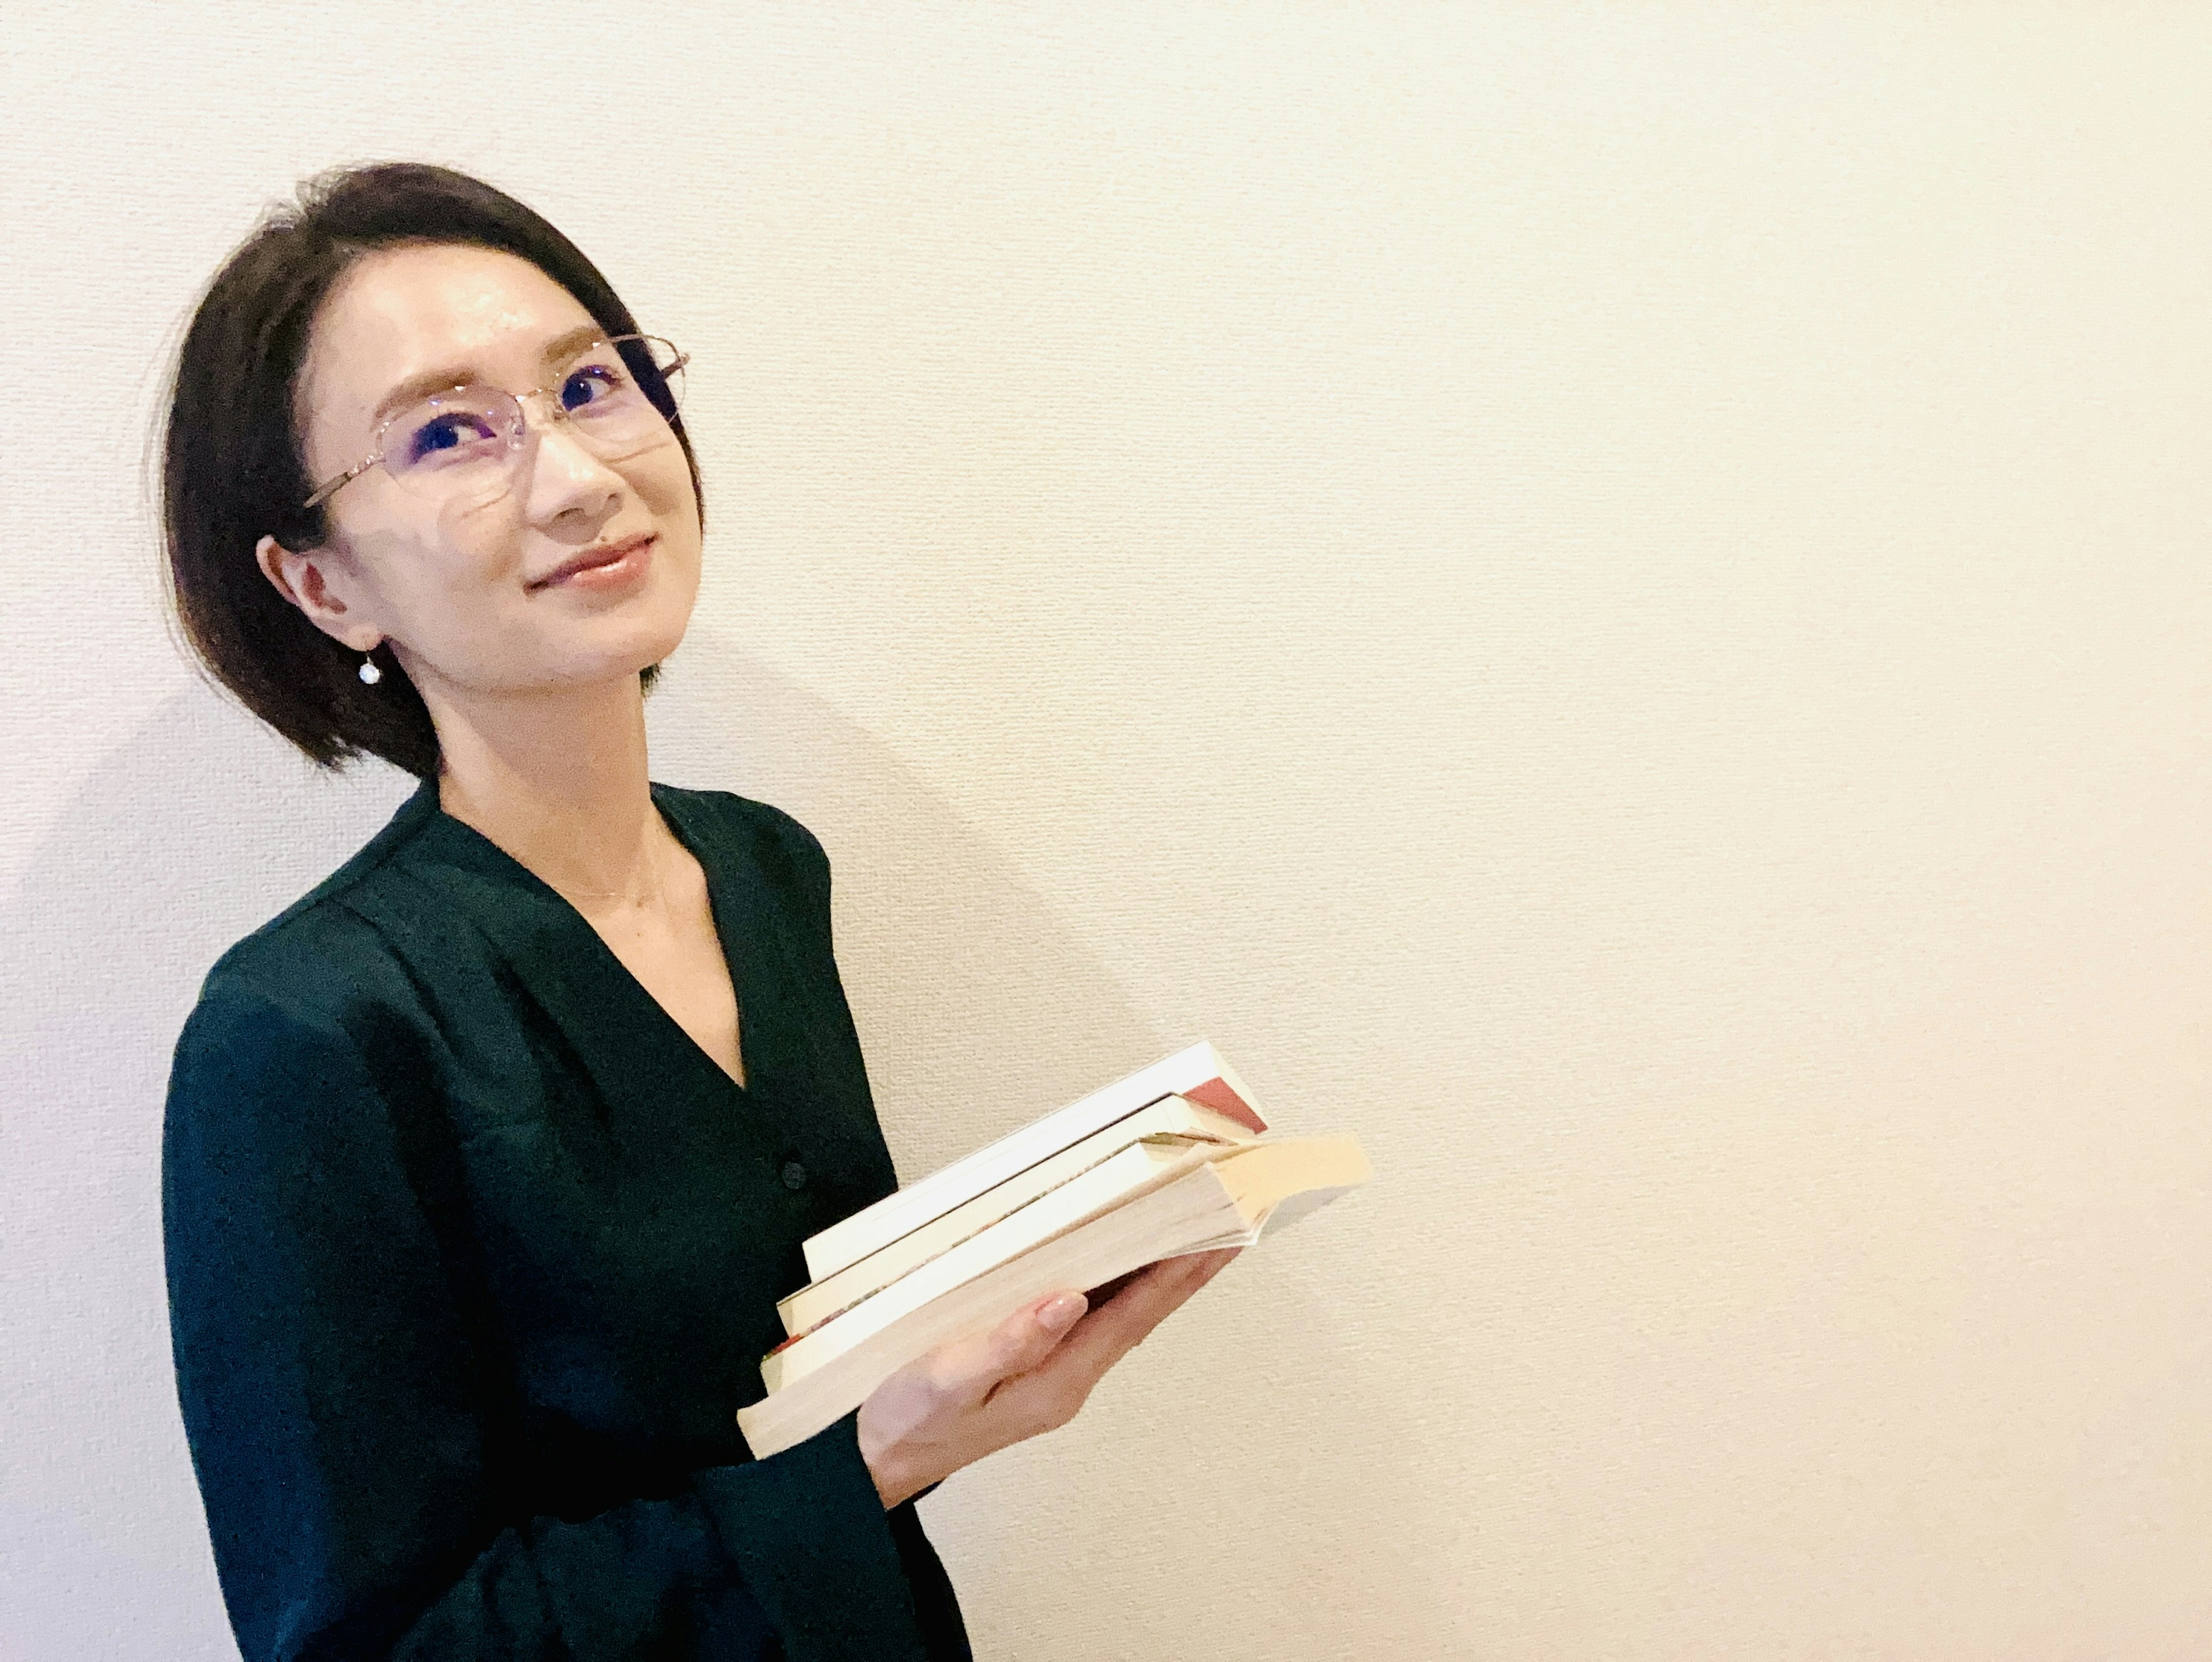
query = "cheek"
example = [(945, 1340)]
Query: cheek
[(663, 484), (440, 576), (667, 495), (476, 548)]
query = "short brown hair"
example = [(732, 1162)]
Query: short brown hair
[(232, 471)]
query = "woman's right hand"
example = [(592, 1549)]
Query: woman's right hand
[(1030, 1375)]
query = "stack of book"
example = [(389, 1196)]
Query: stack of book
[(1173, 1160)]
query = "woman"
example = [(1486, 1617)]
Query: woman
[(486, 1161)]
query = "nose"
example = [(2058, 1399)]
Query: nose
[(566, 476)]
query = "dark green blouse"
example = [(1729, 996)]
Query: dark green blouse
[(473, 1255)]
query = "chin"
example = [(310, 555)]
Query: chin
[(635, 661), (649, 636)]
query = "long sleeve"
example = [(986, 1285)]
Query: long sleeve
[(332, 1375)]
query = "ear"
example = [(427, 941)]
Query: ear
[(307, 580)]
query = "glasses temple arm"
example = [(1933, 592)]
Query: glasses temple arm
[(331, 488)]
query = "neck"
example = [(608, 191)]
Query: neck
[(558, 779)]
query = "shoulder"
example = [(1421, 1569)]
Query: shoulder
[(296, 1006), (785, 852), (274, 1067), (367, 866), (317, 966), (291, 1068)]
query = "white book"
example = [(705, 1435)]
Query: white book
[(1136, 1170), (1198, 1072), (1230, 1197), (818, 1301)]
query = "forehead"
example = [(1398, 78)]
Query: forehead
[(402, 313)]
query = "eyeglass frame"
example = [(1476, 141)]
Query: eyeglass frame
[(331, 487)]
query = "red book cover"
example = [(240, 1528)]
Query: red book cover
[(1216, 1094)]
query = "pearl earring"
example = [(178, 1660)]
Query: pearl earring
[(370, 674)]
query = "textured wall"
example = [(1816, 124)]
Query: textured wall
[(1613, 598)]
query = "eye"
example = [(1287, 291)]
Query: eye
[(451, 436), (592, 384)]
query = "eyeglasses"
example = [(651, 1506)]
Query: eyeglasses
[(461, 447)]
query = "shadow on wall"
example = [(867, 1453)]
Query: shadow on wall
[(197, 830), (978, 1007), (203, 826), (981, 1008)]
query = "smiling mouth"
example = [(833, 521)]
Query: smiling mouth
[(592, 559)]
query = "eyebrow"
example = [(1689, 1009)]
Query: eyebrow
[(444, 379)]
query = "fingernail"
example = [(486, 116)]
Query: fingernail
[(1061, 1314)]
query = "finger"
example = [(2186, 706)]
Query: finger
[(1188, 1271), (1052, 1392), (1023, 1341), (1110, 1331)]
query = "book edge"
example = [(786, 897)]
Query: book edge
[(877, 1225), (782, 1419), (787, 1307)]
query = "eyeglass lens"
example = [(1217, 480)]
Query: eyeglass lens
[(617, 397)]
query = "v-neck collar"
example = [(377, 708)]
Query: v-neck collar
[(625, 1036)]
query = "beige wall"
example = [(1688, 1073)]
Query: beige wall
[(1613, 598)]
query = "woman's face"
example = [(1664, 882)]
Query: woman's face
[(524, 593)]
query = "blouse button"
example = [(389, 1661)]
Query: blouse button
[(794, 1175)]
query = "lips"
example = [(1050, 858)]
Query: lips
[(594, 559)]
